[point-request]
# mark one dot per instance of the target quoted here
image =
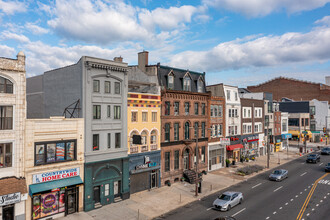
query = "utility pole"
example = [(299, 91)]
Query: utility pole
[(197, 152), (268, 150)]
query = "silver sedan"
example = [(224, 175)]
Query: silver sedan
[(279, 175), (227, 200)]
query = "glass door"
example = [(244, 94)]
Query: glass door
[(8, 212), (153, 180), (96, 194), (186, 160), (72, 200)]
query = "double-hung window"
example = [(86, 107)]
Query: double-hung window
[(167, 132), (196, 108), (117, 112), (186, 108), (96, 111), (96, 85), (167, 108), (6, 117), (176, 108), (6, 150), (107, 87)]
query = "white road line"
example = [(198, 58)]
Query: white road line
[(256, 185), (296, 196), (286, 203), (309, 186), (209, 208), (317, 204), (320, 164), (313, 209), (274, 213), (238, 212), (303, 163), (307, 214), (305, 189), (278, 188), (325, 197), (291, 200), (267, 217), (300, 192), (303, 174), (328, 193), (280, 207), (321, 200)]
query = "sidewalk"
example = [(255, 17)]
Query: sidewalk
[(154, 203)]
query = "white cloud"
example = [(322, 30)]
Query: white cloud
[(10, 7), (35, 29), (257, 8), (257, 51), (105, 22), (6, 35), (6, 51), (325, 21)]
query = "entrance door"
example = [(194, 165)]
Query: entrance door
[(116, 188), (186, 160), (153, 180), (8, 212), (72, 200), (96, 194)]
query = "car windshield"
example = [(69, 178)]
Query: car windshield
[(277, 172), (312, 155), (224, 197), (328, 164)]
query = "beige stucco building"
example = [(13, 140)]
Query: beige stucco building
[(54, 166), (12, 119)]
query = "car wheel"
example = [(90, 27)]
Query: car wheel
[(229, 207), (240, 201)]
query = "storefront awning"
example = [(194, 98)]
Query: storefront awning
[(285, 136), (235, 146), (41, 187), (294, 133)]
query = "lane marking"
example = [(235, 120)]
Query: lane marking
[(286, 203), (313, 209), (291, 200), (274, 213), (300, 192), (303, 163), (307, 214), (309, 187), (321, 200), (280, 207), (317, 204), (296, 196), (267, 218), (325, 197), (303, 208), (209, 208), (305, 189), (239, 212), (278, 188), (256, 185), (320, 164), (303, 174)]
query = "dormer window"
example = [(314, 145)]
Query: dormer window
[(200, 85), (170, 83), (186, 83)]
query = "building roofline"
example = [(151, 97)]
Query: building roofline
[(183, 70), (291, 79)]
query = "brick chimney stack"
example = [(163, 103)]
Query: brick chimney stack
[(143, 60), (118, 59)]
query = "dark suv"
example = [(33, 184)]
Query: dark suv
[(313, 158), (325, 151)]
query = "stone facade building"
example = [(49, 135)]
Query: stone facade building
[(54, 167), (13, 191), (94, 89)]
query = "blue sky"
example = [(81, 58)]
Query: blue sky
[(237, 42)]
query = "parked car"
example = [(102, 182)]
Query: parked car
[(227, 200), (325, 151), (279, 175), (313, 158), (327, 167)]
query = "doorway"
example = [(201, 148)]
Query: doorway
[(96, 194), (153, 179), (72, 200), (116, 188), (8, 212), (186, 160)]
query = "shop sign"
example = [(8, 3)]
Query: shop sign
[(225, 141), (55, 175), (10, 199), (146, 164), (235, 140)]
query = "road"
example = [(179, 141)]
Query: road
[(305, 194)]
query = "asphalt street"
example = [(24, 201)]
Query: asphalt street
[(305, 194)]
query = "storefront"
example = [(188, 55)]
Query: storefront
[(106, 182), (278, 143), (217, 154), (233, 150), (285, 140), (13, 194), (144, 171), (56, 193), (250, 143)]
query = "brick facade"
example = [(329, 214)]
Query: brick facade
[(293, 89)]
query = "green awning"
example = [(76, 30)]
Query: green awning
[(41, 187)]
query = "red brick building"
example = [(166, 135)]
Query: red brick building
[(293, 89)]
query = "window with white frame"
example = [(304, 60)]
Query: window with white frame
[(220, 130), (228, 94), (258, 112), (236, 96), (258, 127), (144, 116), (220, 111), (170, 82), (134, 117), (246, 112), (186, 83), (200, 85)]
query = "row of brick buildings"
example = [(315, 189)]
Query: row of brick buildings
[(92, 133)]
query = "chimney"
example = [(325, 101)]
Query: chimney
[(143, 60), (118, 59)]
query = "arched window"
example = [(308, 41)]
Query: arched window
[(153, 137), (186, 131), (131, 138), (144, 136), (6, 86), (186, 83)]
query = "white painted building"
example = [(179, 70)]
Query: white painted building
[(233, 111)]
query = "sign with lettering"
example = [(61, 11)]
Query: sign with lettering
[(225, 141), (10, 199), (146, 164), (55, 175)]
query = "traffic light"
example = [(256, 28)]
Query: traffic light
[(324, 130)]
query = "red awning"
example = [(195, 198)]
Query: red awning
[(234, 146)]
